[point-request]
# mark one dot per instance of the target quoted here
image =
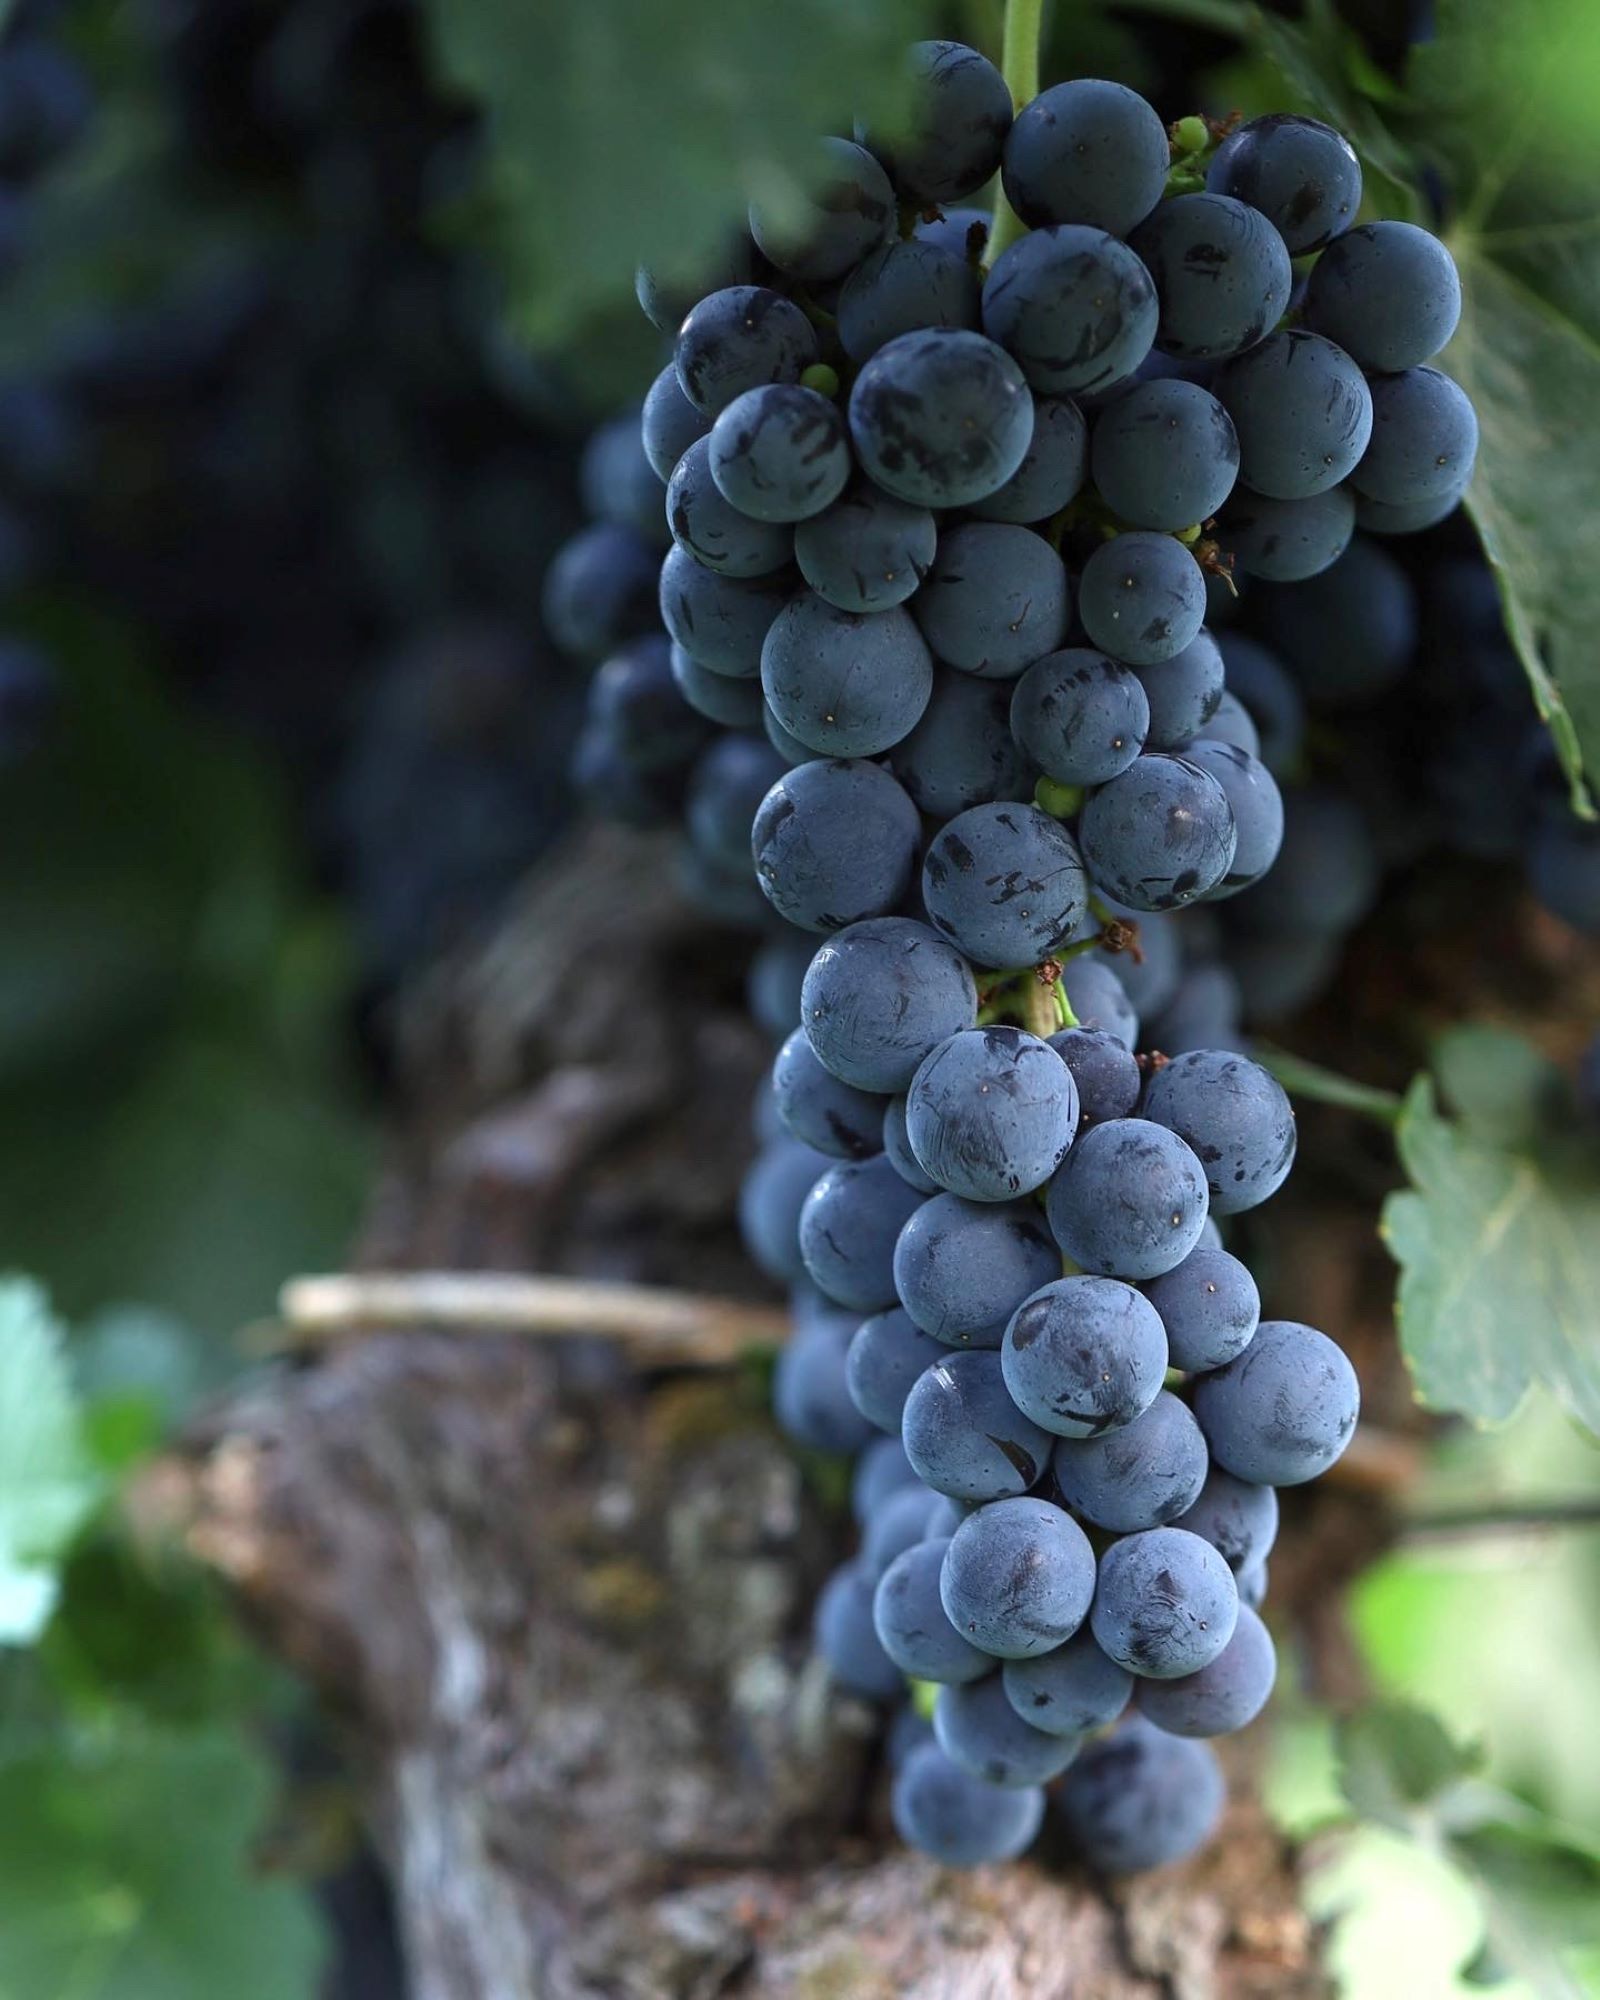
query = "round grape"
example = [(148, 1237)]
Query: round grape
[(1141, 1799), (1018, 1578), (1069, 1692), (1128, 1201), (738, 338), (965, 1437), (1159, 836), (1053, 468), (598, 590), (836, 1118), (1209, 1306), (1281, 1412), (1099, 1000), (715, 532), (941, 418), (879, 995), (1005, 884), (962, 753), (1236, 1117), (958, 1820), (734, 704), (1286, 541), (1302, 175), (886, 1355), (914, 1628), (957, 120), (1165, 1605), (810, 1393), (1240, 1521), (1081, 717), (991, 1113), (669, 423), (1088, 152), (1084, 1355), (1141, 598), (1221, 271), (1223, 1696), (961, 1268), (835, 842), (1424, 439), (1075, 307), (770, 1199), (726, 786), (978, 1729), (1165, 455), (845, 683), (904, 288), (1183, 693), (897, 1150), (1388, 293), (1105, 1071), (868, 551), (720, 621), (995, 600), (847, 1640), (849, 1224), (1257, 807), (851, 212), (1302, 411)]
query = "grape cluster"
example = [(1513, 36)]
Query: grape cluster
[(951, 521), (1066, 1484)]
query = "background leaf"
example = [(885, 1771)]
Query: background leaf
[(125, 1875), (617, 133), (1396, 1760), (182, 1129), (47, 1485), (1499, 1254)]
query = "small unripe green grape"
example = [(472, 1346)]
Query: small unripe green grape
[(1059, 801), (821, 377), (1191, 135)]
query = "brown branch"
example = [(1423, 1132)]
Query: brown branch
[(658, 1328), (1504, 1517)]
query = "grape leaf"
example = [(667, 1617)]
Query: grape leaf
[(1534, 378), (1498, 1243), (125, 1875), (622, 131), (1535, 1883), (47, 1485), (167, 1003), (1396, 1759)]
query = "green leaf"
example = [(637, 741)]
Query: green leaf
[(1397, 1760), (623, 131), (169, 1080), (1499, 1255), (1546, 1876), (1506, 1092), (125, 1875), (47, 1485), (1534, 379)]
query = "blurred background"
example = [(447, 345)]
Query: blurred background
[(307, 310)]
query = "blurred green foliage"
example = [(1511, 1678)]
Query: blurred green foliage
[(1498, 1235), (170, 1056)]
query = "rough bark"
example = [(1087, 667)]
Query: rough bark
[(559, 1608)]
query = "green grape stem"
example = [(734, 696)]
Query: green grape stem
[(1019, 64)]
